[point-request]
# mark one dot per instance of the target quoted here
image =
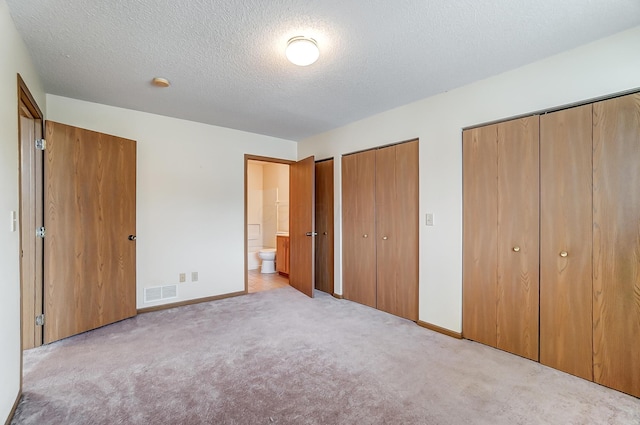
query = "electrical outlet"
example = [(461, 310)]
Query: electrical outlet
[(194, 276), (183, 277)]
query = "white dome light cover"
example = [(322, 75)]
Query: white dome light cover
[(302, 51)]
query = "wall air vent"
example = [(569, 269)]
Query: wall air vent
[(158, 293)]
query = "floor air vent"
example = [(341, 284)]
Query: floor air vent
[(158, 293)]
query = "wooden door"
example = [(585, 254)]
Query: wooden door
[(518, 237), (31, 217), (90, 211), (302, 225), (358, 228), (480, 233), (565, 241), (397, 229), (282, 255), (324, 226), (616, 243)]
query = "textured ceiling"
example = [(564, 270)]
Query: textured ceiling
[(225, 58)]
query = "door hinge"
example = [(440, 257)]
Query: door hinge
[(40, 320), (40, 232), (41, 144)]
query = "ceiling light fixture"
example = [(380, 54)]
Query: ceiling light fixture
[(160, 82), (302, 51)]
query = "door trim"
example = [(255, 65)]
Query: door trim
[(247, 158)]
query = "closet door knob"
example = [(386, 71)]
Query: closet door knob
[(324, 233), (365, 236), (516, 249), (564, 254), (384, 238)]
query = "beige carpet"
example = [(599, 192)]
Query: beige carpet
[(280, 357)]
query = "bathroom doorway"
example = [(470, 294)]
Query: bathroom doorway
[(267, 223)]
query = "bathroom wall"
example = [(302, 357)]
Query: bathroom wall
[(254, 205), (276, 201)]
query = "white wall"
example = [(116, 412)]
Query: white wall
[(190, 194), (13, 59), (276, 183), (608, 66)]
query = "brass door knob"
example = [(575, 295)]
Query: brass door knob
[(516, 249), (365, 236), (564, 254), (384, 238)]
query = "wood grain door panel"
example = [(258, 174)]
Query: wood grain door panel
[(565, 241), (90, 201), (396, 208), (480, 233), (518, 237), (358, 227), (282, 255), (28, 241), (324, 226), (616, 243), (302, 221)]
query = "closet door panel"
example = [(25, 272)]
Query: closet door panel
[(358, 228), (397, 229), (324, 226), (616, 243), (518, 237), (480, 218), (565, 241)]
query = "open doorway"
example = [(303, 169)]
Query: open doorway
[(267, 224)]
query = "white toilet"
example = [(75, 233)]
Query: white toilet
[(268, 257)]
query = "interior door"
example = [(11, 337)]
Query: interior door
[(324, 226), (90, 221), (396, 210), (565, 241), (30, 218), (518, 237), (480, 233), (302, 225), (359, 228), (616, 243)]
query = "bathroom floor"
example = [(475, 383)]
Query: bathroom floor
[(259, 282)]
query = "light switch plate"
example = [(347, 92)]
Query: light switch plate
[(14, 221), (429, 219)]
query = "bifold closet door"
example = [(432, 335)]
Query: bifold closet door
[(565, 241), (480, 233), (518, 237), (616, 243), (358, 227), (397, 229)]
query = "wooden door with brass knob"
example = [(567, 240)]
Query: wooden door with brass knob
[(397, 229), (518, 237), (565, 241)]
